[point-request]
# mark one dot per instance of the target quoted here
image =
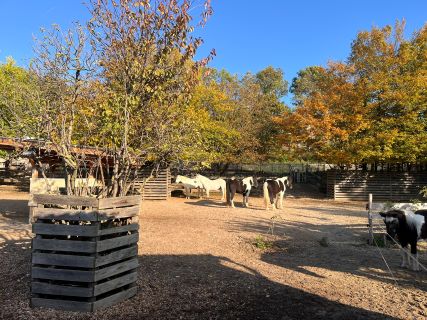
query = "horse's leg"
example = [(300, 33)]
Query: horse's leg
[(246, 199), (282, 194), (405, 257), (186, 192), (232, 194), (415, 264), (275, 201), (207, 193), (272, 199)]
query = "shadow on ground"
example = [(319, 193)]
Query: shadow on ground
[(298, 247), (208, 203), (16, 210), (179, 287)]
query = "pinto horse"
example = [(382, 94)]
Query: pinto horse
[(243, 186), (408, 227), (189, 184), (209, 185), (274, 191)]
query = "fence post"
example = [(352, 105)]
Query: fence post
[(371, 232)]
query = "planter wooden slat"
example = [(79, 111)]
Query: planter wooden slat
[(116, 283), (116, 256), (66, 230), (65, 200), (84, 259), (65, 214), (67, 305), (129, 227), (119, 202), (54, 289), (115, 298), (117, 242), (125, 212), (64, 245), (116, 269), (64, 260), (62, 274)]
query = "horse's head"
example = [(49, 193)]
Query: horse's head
[(289, 182), (391, 220), (254, 181), (178, 179)]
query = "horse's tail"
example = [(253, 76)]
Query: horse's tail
[(266, 196), (228, 191)]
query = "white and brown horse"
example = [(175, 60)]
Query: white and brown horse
[(242, 186), (274, 191)]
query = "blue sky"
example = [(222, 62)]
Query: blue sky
[(247, 35)]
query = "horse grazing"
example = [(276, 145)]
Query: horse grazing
[(209, 185), (243, 186), (409, 227), (274, 191), (189, 184)]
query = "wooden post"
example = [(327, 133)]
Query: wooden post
[(371, 232)]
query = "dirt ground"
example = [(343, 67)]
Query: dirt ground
[(198, 261)]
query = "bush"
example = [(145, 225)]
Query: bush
[(261, 243)]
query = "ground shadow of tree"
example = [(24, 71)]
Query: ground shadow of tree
[(298, 248), (179, 287), (14, 209)]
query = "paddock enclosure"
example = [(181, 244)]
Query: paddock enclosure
[(385, 186), (199, 259)]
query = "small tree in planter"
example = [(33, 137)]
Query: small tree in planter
[(120, 85)]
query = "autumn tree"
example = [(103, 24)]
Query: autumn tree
[(369, 109), (64, 66), (236, 114), (146, 52)]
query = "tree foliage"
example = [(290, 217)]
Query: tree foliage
[(368, 109), (18, 101)]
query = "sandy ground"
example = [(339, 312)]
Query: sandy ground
[(198, 261)]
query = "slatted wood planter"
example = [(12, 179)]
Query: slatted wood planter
[(84, 253), (157, 187), (385, 186)]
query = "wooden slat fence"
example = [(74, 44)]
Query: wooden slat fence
[(156, 188), (385, 186)]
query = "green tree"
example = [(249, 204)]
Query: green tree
[(18, 101)]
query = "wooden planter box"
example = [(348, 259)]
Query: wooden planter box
[(84, 253)]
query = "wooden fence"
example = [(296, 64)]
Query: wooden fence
[(385, 186), (157, 187)]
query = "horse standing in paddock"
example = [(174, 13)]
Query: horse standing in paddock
[(209, 185), (243, 186), (409, 227), (189, 184), (274, 191)]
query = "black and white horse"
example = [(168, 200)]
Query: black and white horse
[(242, 186), (274, 191), (409, 227)]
